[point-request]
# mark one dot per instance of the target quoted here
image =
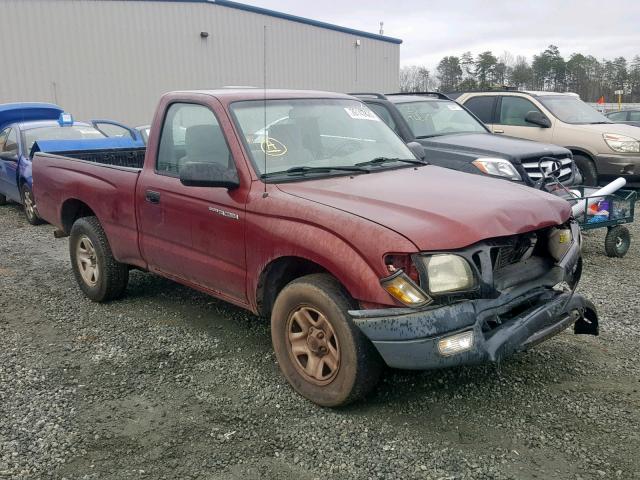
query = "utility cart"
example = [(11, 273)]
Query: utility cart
[(607, 211)]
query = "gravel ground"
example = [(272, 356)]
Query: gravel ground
[(170, 383)]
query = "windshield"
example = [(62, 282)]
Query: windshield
[(56, 132), (431, 118), (314, 133), (570, 109)]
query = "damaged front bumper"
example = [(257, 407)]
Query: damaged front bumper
[(519, 317)]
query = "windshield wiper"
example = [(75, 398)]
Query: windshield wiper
[(600, 123), (305, 170), (381, 160)]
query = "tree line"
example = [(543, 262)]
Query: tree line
[(585, 75)]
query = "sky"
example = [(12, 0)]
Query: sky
[(432, 30)]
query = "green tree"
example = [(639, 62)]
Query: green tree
[(549, 70), (449, 73), (634, 79), (485, 67)]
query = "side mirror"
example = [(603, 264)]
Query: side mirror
[(537, 118), (201, 174), (417, 150), (9, 156)]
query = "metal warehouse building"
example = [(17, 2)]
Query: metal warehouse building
[(114, 58)]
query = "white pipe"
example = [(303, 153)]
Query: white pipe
[(608, 189)]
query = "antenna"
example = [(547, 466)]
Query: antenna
[(264, 84), (381, 28)]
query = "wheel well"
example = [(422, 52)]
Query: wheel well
[(72, 210), (277, 275)]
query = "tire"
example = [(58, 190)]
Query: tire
[(314, 308), (29, 203), (587, 170), (98, 274), (617, 241), (3, 200)]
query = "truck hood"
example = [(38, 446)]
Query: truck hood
[(489, 144), (437, 208)]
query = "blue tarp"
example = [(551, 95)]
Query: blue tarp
[(61, 146), (23, 112)]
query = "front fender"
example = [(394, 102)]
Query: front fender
[(347, 246)]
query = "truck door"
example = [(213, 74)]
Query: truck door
[(510, 120), (195, 234), (9, 164)]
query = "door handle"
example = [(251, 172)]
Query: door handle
[(498, 131), (152, 197)]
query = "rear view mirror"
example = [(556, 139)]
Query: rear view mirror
[(201, 174), (9, 156), (538, 119), (417, 150)]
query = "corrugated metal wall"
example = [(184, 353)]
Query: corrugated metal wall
[(113, 58)]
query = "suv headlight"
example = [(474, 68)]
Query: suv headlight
[(621, 143), (498, 167), (448, 273)]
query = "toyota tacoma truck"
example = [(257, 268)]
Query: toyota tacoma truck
[(306, 208), (453, 137)]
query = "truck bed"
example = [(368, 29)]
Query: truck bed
[(130, 158), (95, 182)]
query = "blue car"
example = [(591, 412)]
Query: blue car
[(22, 125)]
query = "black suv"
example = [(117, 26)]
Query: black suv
[(455, 138)]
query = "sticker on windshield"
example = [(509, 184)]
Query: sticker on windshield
[(273, 147), (361, 113), (453, 106)]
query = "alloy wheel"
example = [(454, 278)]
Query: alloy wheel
[(313, 345)]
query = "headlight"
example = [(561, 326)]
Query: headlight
[(621, 143), (497, 166), (402, 288), (449, 273)]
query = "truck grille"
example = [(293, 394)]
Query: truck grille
[(512, 250), (530, 166)]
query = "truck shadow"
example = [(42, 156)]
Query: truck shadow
[(540, 368)]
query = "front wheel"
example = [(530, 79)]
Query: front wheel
[(587, 170), (323, 355), (29, 203), (100, 276), (617, 241), (3, 200)]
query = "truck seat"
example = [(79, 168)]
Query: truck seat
[(205, 144)]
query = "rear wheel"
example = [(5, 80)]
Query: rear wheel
[(98, 274), (323, 355), (617, 241), (587, 170), (3, 200), (29, 203)]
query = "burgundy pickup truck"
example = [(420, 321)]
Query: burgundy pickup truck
[(305, 207)]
